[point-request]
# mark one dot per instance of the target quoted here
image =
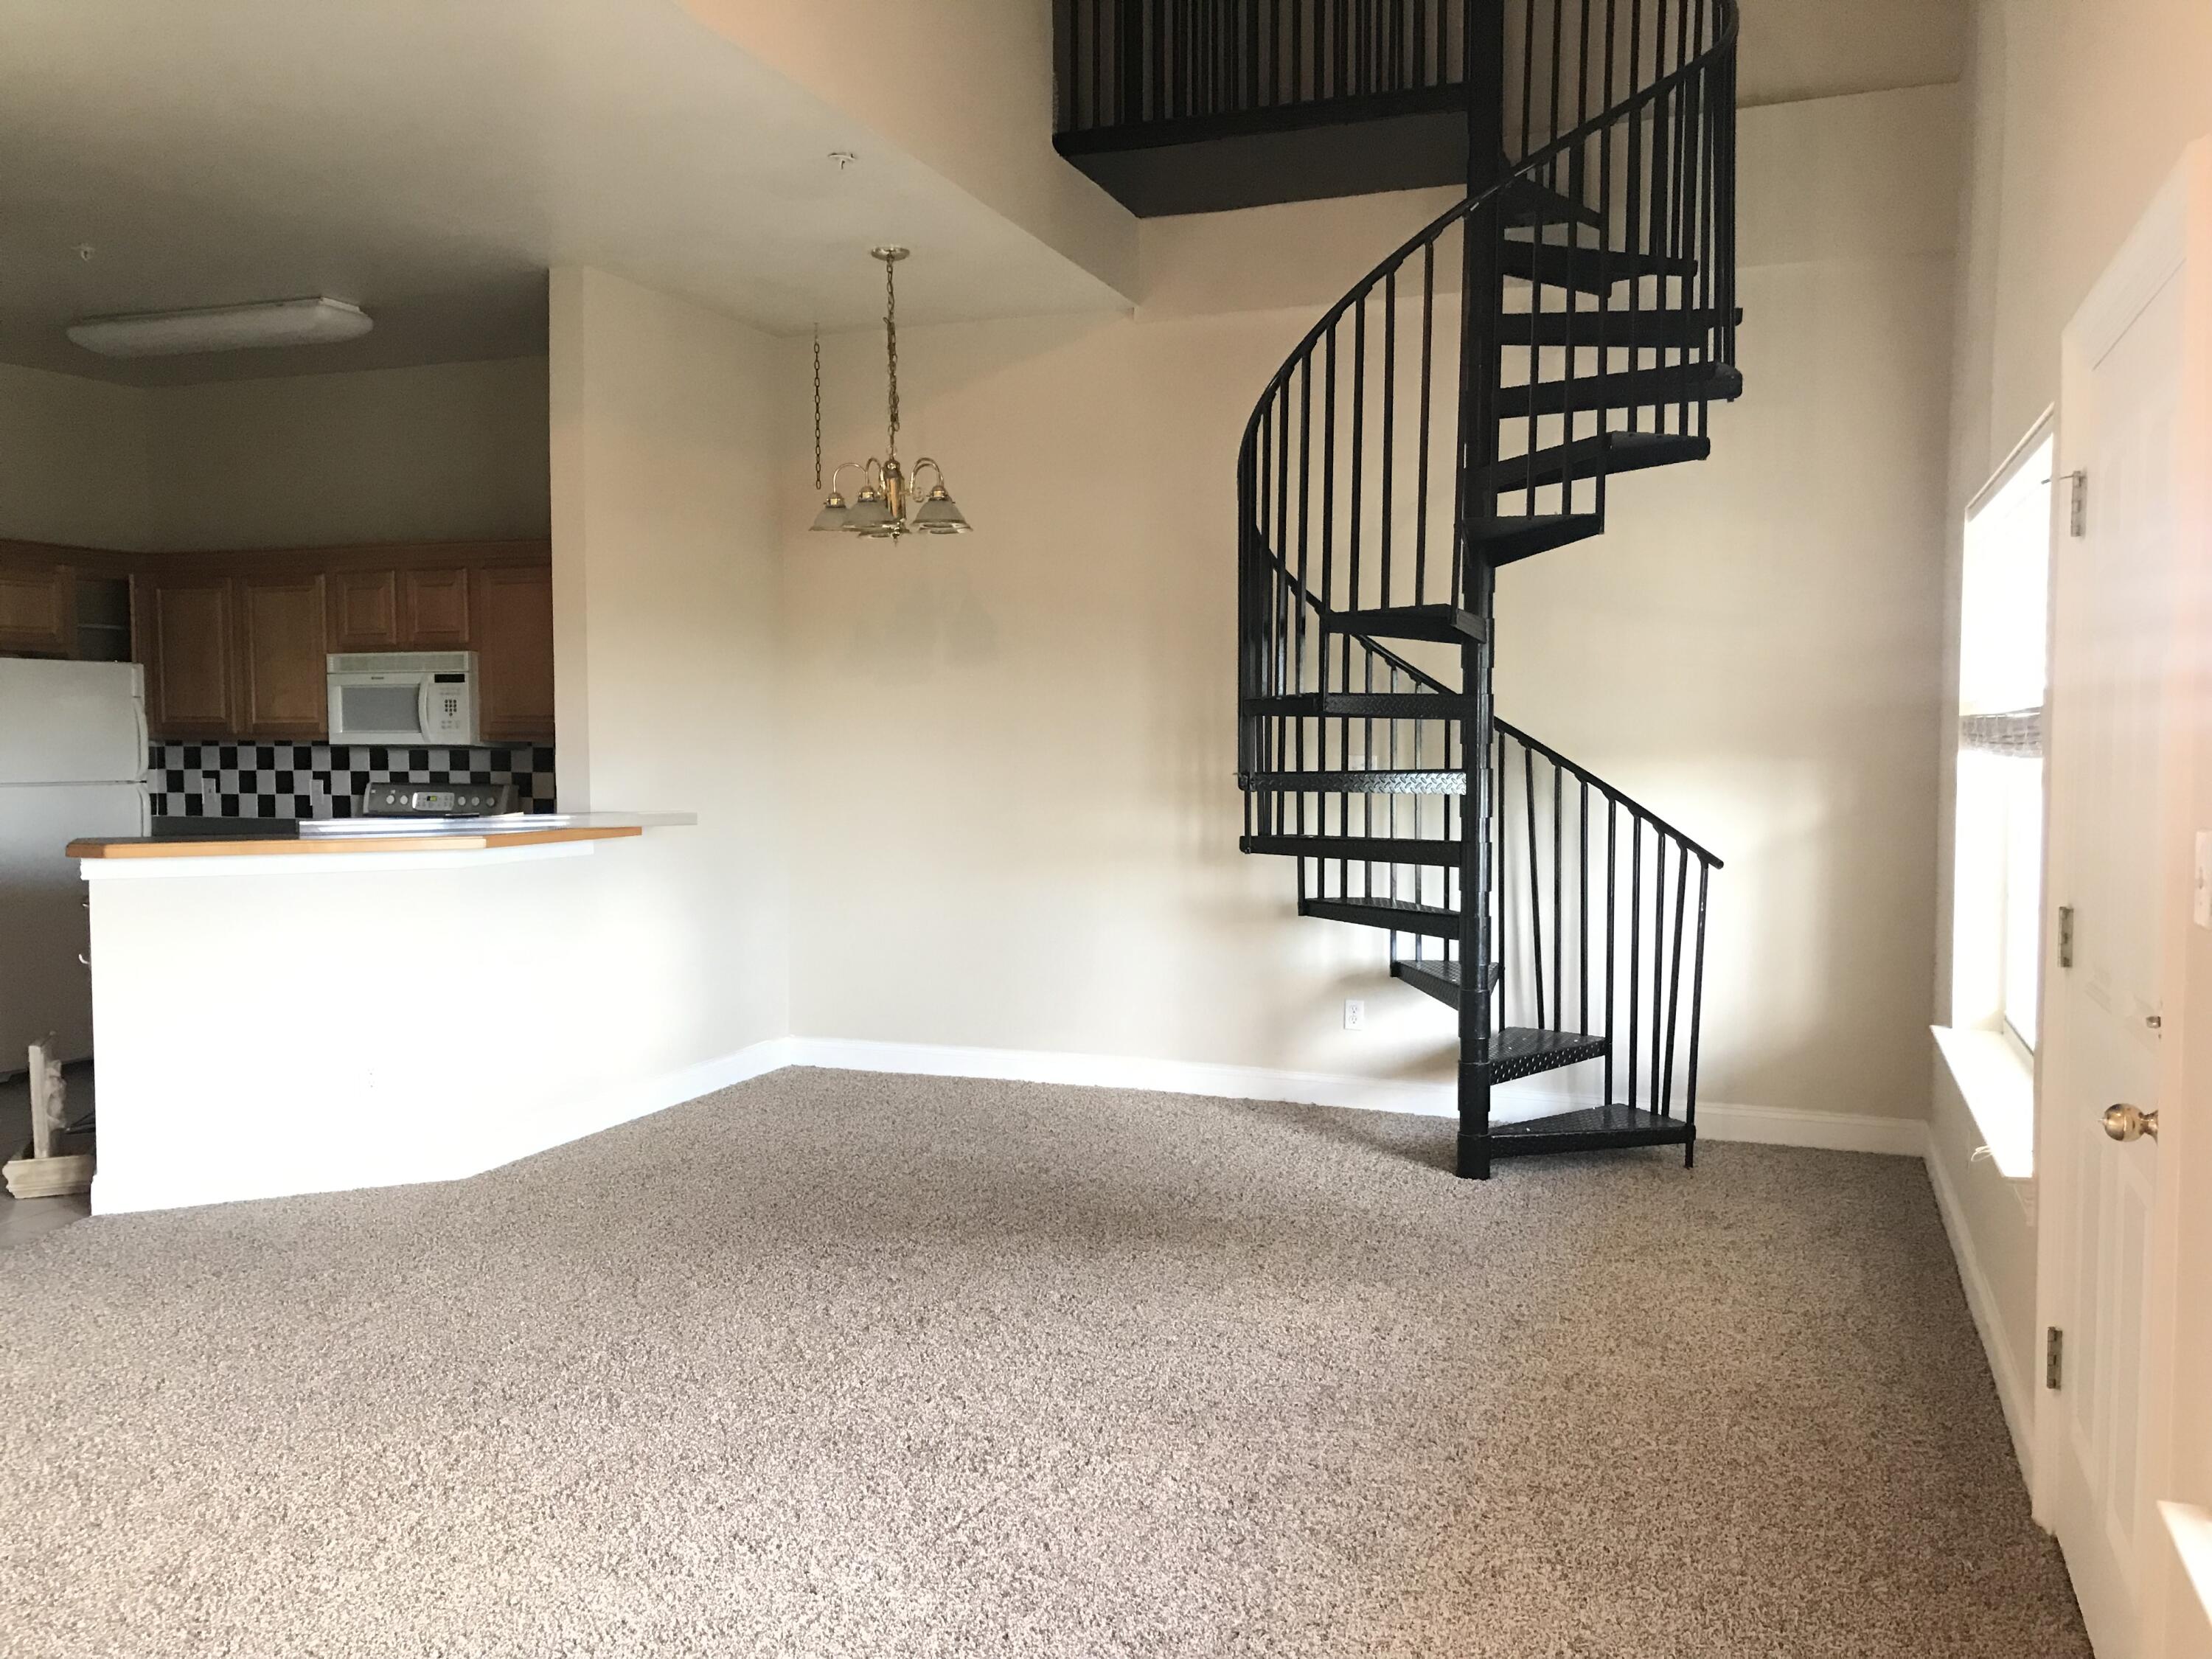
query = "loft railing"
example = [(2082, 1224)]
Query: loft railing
[(1127, 62)]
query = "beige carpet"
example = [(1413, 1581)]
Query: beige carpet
[(835, 1363)]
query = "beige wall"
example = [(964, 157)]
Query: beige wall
[(1041, 853), (965, 87), (2077, 114), (1752, 649), (73, 466), (451, 452), (667, 435)]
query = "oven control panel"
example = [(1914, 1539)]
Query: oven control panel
[(436, 800)]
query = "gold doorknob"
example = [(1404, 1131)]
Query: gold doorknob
[(2131, 1123)]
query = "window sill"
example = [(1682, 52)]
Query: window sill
[(1999, 1087), (2191, 1529)]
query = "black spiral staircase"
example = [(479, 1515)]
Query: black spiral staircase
[(1465, 406)]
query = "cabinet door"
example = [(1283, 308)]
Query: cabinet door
[(437, 609), (364, 610), (34, 610), (282, 681), (513, 615), (189, 642)]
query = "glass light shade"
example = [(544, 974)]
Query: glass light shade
[(833, 515), (868, 514), (938, 516)]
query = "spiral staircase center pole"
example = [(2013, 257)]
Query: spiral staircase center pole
[(1481, 293)]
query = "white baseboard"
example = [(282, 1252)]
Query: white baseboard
[(1172, 1077), (589, 1115), (2014, 1391), (1834, 1132), (525, 1133), (1774, 1126)]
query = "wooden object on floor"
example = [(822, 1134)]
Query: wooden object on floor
[(56, 1164)]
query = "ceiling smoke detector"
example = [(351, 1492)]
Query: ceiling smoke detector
[(315, 321)]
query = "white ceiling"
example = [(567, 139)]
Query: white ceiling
[(428, 160)]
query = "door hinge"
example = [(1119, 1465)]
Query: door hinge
[(2054, 1357), (2065, 936), (2077, 513)]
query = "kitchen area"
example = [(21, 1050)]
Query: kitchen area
[(236, 699), (276, 683)]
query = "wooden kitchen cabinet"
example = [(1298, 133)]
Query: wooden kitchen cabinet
[(435, 609), (188, 632), (236, 645), (364, 609), (281, 678), (511, 617), (36, 612)]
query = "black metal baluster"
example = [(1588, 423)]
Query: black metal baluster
[(1582, 911), (1674, 979), (1389, 469), (1635, 938), (1697, 1015), (1535, 891), (1558, 914), (1421, 489), (1329, 498)]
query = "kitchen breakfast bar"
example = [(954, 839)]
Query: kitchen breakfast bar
[(370, 1005)]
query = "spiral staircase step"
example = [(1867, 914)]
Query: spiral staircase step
[(1589, 1129), (1360, 705), (1426, 781), (1393, 915), (1358, 849), (1505, 538), (1586, 269), (1528, 203), (1658, 328), (1439, 623), (1610, 453), (1631, 388)]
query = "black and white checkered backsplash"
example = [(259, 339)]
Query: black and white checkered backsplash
[(326, 781)]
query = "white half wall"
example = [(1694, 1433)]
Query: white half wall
[(531, 998)]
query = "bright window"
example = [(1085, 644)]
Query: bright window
[(2003, 614), (1997, 917)]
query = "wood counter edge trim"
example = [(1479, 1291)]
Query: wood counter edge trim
[(395, 843)]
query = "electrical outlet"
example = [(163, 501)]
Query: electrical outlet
[(2202, 902), (1355, 1015)]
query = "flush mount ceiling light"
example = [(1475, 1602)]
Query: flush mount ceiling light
[(885, 506), (314, 321)]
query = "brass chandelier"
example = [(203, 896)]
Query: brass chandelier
[(886, 507)]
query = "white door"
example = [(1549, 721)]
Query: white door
[(2112, 803)]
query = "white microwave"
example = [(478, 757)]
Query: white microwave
[(398, 698)]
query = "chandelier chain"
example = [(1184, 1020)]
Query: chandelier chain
[(818, 409), (890, 336)]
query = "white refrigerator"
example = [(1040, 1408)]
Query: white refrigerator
[(73, 757)]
